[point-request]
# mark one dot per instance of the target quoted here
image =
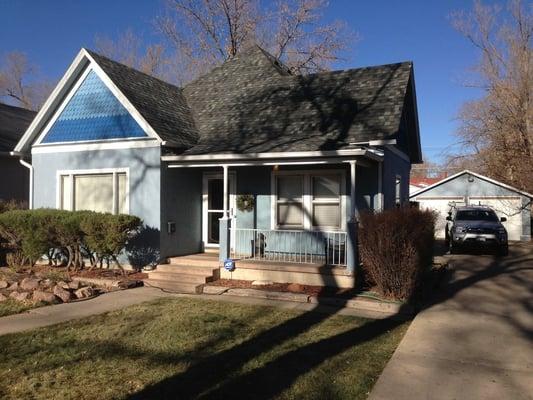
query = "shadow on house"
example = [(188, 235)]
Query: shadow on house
[(143, 248)]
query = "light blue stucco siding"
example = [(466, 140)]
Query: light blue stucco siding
[(395, 166), (144, 185), (181, 205)]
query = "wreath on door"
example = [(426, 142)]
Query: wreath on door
[(245, 202)]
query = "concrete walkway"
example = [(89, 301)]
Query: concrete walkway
[(55, 314), (475, 342)]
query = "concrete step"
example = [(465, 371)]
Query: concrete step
[(172, 286), (188, 269), (180, 277), (195, 261)]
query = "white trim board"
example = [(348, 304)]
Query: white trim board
[(466, 171), (99, 145)]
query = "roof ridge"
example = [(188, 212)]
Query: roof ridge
[(19, 107), (92, 52), (368, 67)]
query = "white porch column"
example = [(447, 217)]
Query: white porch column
[(352, 259), (354, 212), (380, 186), (224, 223), (226, 191)]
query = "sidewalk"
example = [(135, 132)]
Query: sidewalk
[(476, 342), (55, 314)]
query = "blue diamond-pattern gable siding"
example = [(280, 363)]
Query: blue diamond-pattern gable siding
[(93, 113)]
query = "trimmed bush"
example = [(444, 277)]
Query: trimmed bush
[(70, 235), (396, 247)]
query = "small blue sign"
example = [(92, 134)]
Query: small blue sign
[(229, 265)]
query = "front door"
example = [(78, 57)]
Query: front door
[(213, 206)]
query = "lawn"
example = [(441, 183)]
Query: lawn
[(189, 348)]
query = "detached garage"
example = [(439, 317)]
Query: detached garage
[(469, 188)]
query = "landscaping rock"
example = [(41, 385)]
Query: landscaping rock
[(47, 283), (3, 284), (262, 283), (2, 298), (295, 287), (84, 292), (19, 296), (63, 294), (74, 285), (214, 289), (46, 297), (13, 286), (63, 285), (29, 284)]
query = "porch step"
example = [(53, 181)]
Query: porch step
[(187, 269), (195, 261), (176, 276), (172, 286)]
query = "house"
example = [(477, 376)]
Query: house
[(15, 176), (417, 183), (470, 188), (247, 161)]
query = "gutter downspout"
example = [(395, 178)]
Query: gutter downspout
[(30, 167)]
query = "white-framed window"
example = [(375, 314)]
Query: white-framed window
[(398, 191), (94, 190), (308, 200)]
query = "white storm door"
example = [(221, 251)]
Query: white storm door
[(213, 206)]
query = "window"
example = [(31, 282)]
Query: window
[(102, 192), (398, 191), (326, 201), (308, 200), (290, 191)]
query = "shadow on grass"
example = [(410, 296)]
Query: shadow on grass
[(212, 377)]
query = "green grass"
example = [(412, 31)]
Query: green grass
[(188, 348), (11, 306)]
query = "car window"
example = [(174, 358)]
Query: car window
[(476, 215)]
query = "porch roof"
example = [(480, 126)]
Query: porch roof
[(278, 158)]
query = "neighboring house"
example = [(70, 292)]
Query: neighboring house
[(470, 188), (287, 161), (15, 177), (418, 183)]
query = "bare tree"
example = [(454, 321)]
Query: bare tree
[(496, 130), (129, 50), (206, 33), (20, 83)]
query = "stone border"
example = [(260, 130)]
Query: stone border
[(385, 308)]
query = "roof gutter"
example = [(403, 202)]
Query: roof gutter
[(30, 167)]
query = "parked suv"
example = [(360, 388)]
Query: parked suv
[(476, 226)]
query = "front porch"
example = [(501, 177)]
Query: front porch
[(299, 222)]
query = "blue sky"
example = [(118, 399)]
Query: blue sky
[(51, 33)]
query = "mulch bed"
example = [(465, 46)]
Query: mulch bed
[(319, 291)]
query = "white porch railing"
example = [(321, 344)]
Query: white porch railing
[(315, 247)]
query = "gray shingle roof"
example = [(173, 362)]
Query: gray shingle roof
[(247, 105), (161, 104), (252, 104), (13, 124)]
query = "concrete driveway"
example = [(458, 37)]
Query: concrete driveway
[(475, 341)]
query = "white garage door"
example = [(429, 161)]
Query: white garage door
[(441, 205), (508, 207)]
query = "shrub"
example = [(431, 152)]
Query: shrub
[(29, 234), (8, 205), (396, 246)]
